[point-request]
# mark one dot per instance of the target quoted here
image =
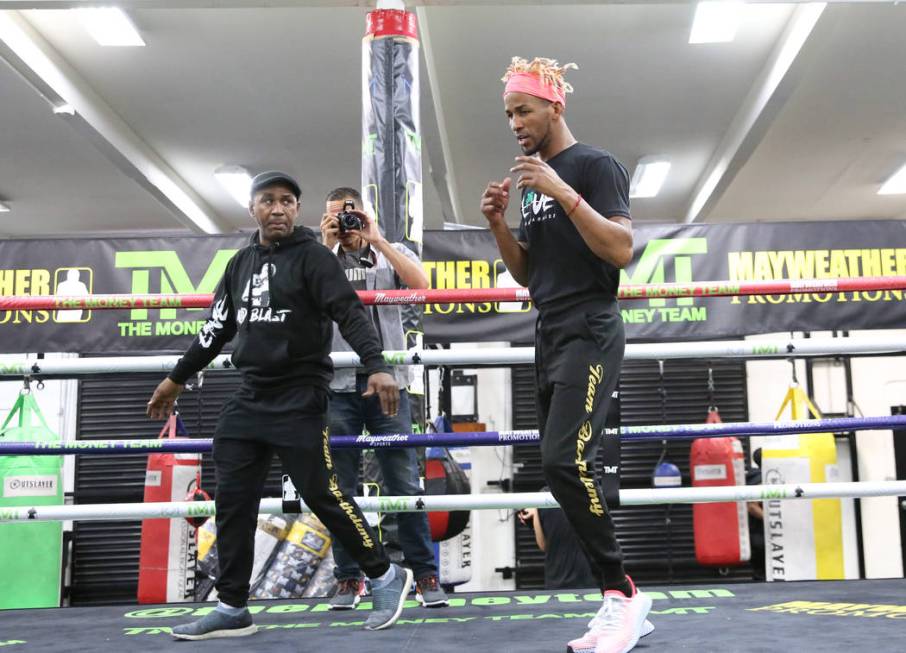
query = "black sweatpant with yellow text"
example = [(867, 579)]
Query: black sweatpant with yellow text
[(241, 466), (578, 354)]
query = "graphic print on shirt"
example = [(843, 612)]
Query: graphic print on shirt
[(537, 207), (214, 325), (260, 288), (357, 277)]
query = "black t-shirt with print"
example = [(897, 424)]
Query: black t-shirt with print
[(562, 269), (354, 266)]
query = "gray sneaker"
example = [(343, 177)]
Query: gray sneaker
[(389, 600), (429, 593), (348, 594), (216, 624)]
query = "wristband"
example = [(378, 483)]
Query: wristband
[(575, 206)]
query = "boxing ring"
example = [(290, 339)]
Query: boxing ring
[(826, 616), (814, 616)]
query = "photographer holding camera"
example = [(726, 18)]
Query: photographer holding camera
[(372, 263)]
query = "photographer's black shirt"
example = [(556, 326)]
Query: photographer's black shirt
[(562, 268), (354, 265)]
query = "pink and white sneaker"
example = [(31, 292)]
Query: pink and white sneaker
[(617, 626)]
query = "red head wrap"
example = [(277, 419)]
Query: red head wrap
[(531, 84)]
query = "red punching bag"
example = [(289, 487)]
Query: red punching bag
[(445, 476), (721, 530), (167, 553)]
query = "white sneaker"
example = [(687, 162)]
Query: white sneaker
[(617, 626)]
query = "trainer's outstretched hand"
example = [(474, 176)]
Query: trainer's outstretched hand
[(163, 401), (384, 386)]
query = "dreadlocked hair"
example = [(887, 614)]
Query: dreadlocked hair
[(549, 70)]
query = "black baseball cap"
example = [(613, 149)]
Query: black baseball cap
[(272, 178)]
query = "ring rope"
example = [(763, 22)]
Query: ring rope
[(472, 438), (747, 349), (431, 503), (473, 295)]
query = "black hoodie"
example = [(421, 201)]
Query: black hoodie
[(279, 303)]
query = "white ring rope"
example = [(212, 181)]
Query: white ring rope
[(430, 503), (778, 348)]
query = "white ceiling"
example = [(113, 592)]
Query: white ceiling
[(841, 133), (245, 82)]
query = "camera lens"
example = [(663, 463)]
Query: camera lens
[(349, 221)]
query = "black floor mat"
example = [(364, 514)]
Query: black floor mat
[(824, 617)]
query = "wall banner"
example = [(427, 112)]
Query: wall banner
[(469, 259)]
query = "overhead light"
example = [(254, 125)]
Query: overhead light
[(4, 208), (64, 109), (110, 26), (237, 181), (648, 177), (716, 21), (896, 184)]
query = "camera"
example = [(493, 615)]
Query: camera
[(349, 221)]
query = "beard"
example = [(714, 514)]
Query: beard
[(530, 151), (539, 144)]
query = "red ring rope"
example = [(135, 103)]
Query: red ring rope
[(475, 295)]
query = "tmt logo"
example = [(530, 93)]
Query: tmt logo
[(173, 278), (658, 255)]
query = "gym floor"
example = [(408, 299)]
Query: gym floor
[(779, 617)]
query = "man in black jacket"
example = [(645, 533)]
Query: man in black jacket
[(277, 300)]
